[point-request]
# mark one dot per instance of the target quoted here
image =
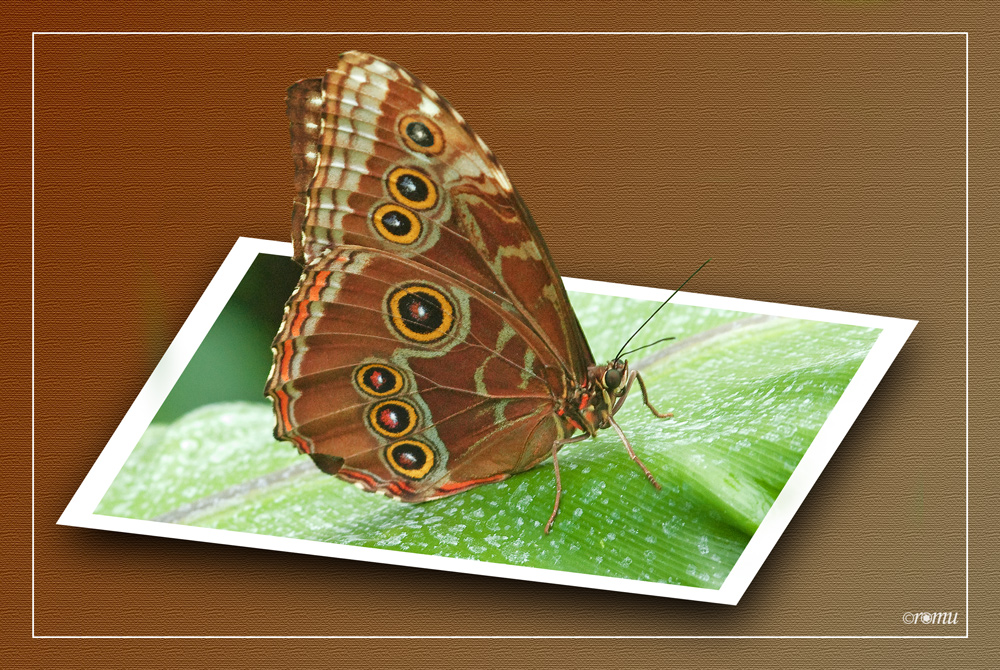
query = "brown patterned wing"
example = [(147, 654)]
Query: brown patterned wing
[(406, 381), (384, 162)]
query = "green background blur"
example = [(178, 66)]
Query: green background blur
[(234, 360)]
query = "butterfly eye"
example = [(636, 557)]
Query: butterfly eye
[(378, 380), (392, 418), (420, 313), (397, 224), (612, 378), (410, 458), (411, 188), (421, 135)]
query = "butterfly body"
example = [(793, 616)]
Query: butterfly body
[(429, 346)]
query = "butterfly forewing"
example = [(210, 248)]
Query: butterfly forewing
[(371, 142)]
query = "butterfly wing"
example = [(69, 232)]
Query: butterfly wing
[(407, 381), (384, 162)]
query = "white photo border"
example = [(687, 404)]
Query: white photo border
[(80, 511)]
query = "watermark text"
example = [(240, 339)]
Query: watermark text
[(930, 617)]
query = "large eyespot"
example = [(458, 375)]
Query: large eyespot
[(410, 458), (421, 134), (612, 378), (420, 313), (397, 224), (378, 380), (392, 418), (411, 188)]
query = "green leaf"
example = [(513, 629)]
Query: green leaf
[(748, 393)]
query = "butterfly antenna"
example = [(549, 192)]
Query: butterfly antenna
[(646, 346), (618, 355)]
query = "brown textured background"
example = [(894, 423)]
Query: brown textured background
[(817, 170)]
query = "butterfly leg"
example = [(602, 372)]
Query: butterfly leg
[(631, 453), (555, 465), (634, 375), (628, 387), (578, 438), (645, 399)]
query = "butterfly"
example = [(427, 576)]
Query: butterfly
[(429, 346)]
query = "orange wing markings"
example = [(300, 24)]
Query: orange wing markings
[(400, 489), (285, 428), (452, 488), (355, 476)]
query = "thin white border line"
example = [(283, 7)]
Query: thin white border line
[(651, 33), (966, 335), (511, 32), (497, 637), (32, 335)]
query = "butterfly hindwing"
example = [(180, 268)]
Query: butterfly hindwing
[(405, 380)]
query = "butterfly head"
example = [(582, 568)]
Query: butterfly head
[(612, 379)]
